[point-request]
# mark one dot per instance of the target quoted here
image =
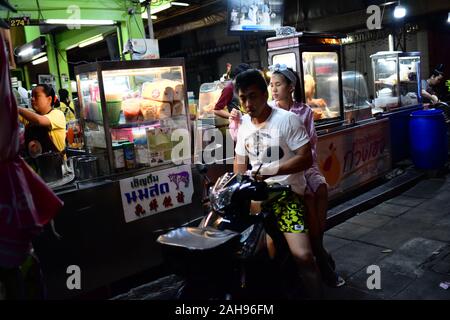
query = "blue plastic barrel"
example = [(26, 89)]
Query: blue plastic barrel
[(428, 138)]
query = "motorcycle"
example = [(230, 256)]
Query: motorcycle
[(215, 257)]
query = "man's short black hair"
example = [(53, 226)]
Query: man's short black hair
[(63, 94), (439, 70), (249, 78)]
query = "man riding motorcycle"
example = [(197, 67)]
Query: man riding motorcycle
[(277, 141)]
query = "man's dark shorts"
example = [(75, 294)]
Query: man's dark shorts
[(289, 212)]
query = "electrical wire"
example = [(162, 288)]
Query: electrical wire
[(142, 34), (356, 68), (40, 15), (382, 13), (65, 60)]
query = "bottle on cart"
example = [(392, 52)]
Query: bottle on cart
[(129, 155), (119, 158)]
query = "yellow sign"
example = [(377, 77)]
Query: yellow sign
[(19, 21)]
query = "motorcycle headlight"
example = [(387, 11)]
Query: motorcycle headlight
[(220, 200)]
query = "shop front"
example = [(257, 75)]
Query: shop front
[(353, 146), (129, 173), (132, 181)]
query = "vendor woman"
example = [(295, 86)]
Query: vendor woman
[(45, 129)]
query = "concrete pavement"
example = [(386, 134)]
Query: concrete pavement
[(407, 236)]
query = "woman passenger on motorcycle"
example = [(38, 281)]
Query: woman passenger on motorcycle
[(285, 84)]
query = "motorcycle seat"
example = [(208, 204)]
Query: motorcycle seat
[(195, 238)]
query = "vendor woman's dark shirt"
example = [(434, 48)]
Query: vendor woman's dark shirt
[(57, 133)]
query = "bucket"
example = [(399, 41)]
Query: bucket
[(87, 168), (428, 137), (50, 166)]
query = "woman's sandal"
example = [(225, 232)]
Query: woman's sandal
[(336, 282), (339, 281)]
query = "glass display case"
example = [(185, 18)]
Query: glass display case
[(321, 83), (357, 105), (210, 129), (129, 111), (317, 59), (396, 80), (209, 94)]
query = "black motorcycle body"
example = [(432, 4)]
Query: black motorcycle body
[(225, 257)]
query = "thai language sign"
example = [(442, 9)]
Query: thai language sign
[(353, 157), (156, 192)]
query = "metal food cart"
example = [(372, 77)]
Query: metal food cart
[(134, 180), (397, 94)]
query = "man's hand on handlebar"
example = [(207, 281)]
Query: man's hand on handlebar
[(265, 171), (259, 177)]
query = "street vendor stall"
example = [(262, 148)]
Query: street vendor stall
[(397, 95), (353, 147), (211, 131), (134, 179)]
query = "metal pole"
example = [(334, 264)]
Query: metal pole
[(150, 23), (120, 40), (242, 47), (258, 52)]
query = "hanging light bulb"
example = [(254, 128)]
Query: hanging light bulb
[(399, 11)]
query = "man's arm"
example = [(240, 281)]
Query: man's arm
[(222, 113), (432, 97), (35, 118), (300, 162), (240, 164)]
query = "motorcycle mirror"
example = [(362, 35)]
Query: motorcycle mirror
[(257, 171), (202, 169)]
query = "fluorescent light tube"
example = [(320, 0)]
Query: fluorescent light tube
[(90, 41), (40, 60), (181, 4), (39, 55), (387, 3), (79, 22), (156, 10)]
